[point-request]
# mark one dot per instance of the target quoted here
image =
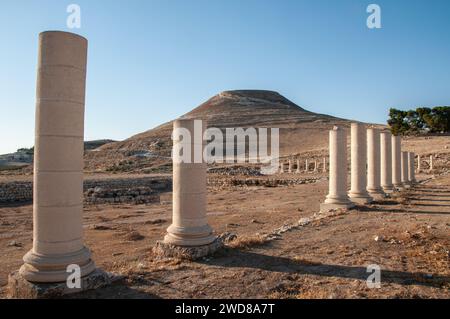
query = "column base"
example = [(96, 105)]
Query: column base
[(20, 288), (388, 189), (360, 198), (53, 268), (377, 194), (167, 250), (398, 187), (326, 207), (189, 236)]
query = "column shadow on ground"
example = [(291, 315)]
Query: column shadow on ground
[(247, 259), (401, 211)]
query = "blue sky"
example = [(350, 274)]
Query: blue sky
[(151, 61)]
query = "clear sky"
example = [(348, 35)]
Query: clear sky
[(151, 61)]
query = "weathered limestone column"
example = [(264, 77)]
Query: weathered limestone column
[(281, 167), (418, 164), (396, 162), (358, 193), (324, 164), (290, 166), (58, 165), (431, 163), (405, 170), (190, 234), (411, 168), (386, 161), (306, 166), (373, 164), (298, 167), (315, 166), (337, 196)]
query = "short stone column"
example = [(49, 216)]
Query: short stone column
[(411, 168), (315, 166), (58, 174), (405, 170), (281, 167), (306, 166), (386, 161), (431, 163), (324, 168), (290, 166), (189, 235), (337, 197), (419, 165), (298, 167), (358, 192), (373, 164), (396, 162)]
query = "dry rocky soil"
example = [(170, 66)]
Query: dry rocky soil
[(283, 249)]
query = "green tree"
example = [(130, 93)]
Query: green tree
[(397, 122)]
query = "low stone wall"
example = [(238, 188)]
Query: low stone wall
[(120, 190), (13, 192)]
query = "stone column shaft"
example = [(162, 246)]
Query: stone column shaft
[(396, 162), (431, 163), (298, 167), (290, 167), (405, 169), (358, 193), (337, 196), (411, 168), (189, 223), (373, 164), (306, 166), (324, 164), (419, 168), (58, 164), (386, 162)]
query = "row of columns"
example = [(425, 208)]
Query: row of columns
[(378, 166), (298, 170)]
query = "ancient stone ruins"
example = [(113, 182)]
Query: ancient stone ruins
[(378, 167)]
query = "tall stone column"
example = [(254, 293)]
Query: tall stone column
[(373, 164), (58, 164), (405, 170), (396, 162), (411, 168), (358, 193), (386, 161), (189, 227), (337, 196)]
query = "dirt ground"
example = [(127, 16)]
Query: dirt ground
[(326, 257)]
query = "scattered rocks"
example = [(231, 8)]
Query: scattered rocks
[(155, 222), (100, 227), (133, 236), (14, 243), (378, 238)]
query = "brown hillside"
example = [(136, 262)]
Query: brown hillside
[(301, 131)]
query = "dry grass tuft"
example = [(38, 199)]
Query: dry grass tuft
[(246, 242)]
